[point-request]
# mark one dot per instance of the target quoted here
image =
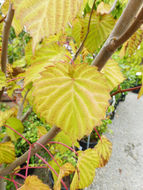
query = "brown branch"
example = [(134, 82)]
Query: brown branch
[(43, 140), (125, 90), (124, 24), (88, 29), (5, 36)]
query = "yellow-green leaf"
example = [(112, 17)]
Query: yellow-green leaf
[(65, 170), (113, 74), (100, 28), (103, 8), (104, 150), (17, 125), (2, 80), (46, 17), (6, 114), (72, 97), (45, 55), (60, 137), (7, 152), (84, 175), (34, 183)]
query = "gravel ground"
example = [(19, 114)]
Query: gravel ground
[(124, 171)]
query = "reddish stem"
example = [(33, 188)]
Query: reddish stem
[(15, 79), (48, 153), (18, 134), (29, 153), (2, 19), (9, 180), (54, 142), (125, 90), (98, 134), (51, 169)]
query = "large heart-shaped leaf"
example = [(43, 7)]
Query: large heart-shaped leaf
[(72, 97), (46, 17), (100, 28)]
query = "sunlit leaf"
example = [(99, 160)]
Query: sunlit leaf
[(65, 170), (34, 183), (100, 28), (60, 137), (46, 17), (46, 55), (103, 8), (141, 90), (2, 80), (17, 125), (72, 97), (7, 152), (104, 150), (113, 74), (7, 114), (132, 44), (87, 162)]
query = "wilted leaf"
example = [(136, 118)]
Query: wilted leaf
[(113, 74), (7, 152), (72, 97), (6, 114), (104, 150), (65, 170), (44, 18), (87, 162), (33, 183), (17, 125)]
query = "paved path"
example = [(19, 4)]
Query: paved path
[(125, 168)]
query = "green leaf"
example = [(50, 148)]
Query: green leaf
[(7, 152), (72, 97), (46, 17), (17, 125), (2, 80), (113, 74), (84, 175), (104, 150)]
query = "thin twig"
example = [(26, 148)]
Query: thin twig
[(88, 29), (2, 19), (125, 90), (43, 140), (26, 114), (19, 114), (113, 6)]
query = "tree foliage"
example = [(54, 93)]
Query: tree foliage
[(53, 67)]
